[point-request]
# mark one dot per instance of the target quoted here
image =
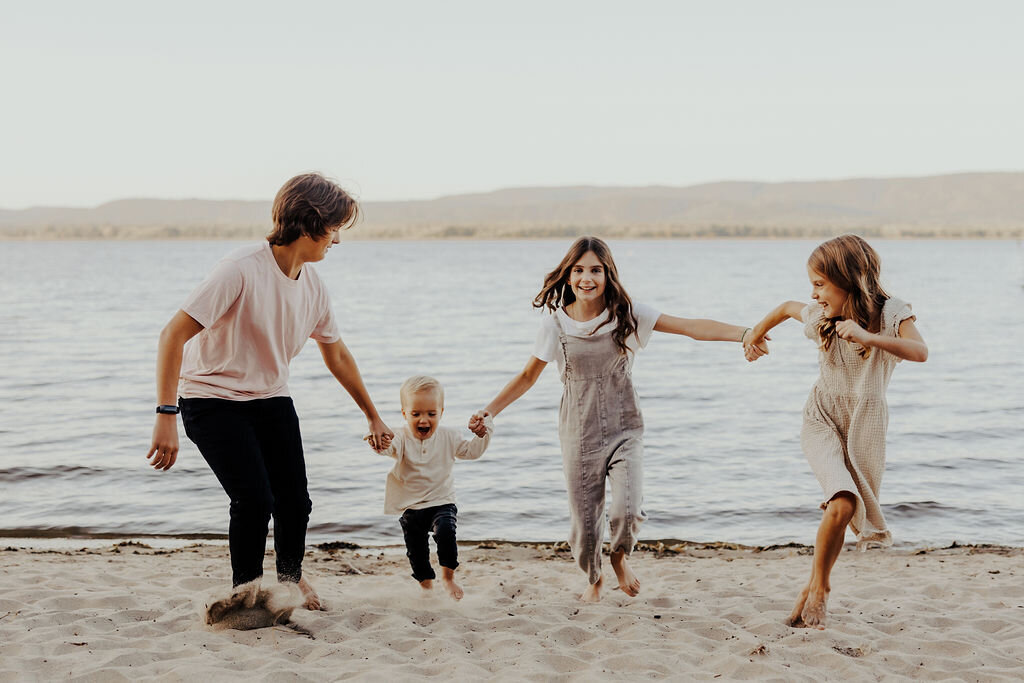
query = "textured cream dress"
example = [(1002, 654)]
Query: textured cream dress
[(845, 420)]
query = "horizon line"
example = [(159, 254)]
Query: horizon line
[(533, 187)]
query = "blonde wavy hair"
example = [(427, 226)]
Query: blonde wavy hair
[(851, 264)]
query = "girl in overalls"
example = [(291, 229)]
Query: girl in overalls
[(592, 333)]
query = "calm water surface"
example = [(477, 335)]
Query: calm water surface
[(78, 333)]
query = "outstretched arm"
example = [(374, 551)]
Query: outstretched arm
[(519, 385), (779, 314), (163, 451), (703, 329), (909, 345), (343, 366), (700, 329)]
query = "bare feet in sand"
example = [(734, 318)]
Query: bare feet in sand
[(794, 619), (312, 600), (448, 579), (813, 614), (593, 592), (628, 583), (427, 584), (810, 609)]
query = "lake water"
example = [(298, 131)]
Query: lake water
[(78, 332)]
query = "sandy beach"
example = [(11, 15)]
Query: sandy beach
[(130, 611)]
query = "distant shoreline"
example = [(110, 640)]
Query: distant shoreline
[(952, 206)]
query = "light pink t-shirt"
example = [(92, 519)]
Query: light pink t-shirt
[(255, 320)]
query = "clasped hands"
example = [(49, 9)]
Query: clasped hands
[(476, 423), (755, 346), (380, 442)]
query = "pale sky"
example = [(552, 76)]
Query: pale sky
[(105, 100)]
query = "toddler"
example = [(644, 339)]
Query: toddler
[(421, 486)]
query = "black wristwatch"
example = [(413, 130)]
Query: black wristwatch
[(168, 410)]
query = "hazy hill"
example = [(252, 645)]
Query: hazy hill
[(970, 204)]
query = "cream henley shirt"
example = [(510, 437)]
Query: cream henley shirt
[(422, 476)]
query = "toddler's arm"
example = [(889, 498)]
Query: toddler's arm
[(473, 448)]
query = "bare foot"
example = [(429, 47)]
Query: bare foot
[(794, 619), (813, 614), (454, 590), (448, 579), (628, 583), (593, 592), (427, 584), (313, 601)]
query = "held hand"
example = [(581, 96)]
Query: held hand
[(380, 436), (476, 423), (851, 331), (755, 346), (163, 452)]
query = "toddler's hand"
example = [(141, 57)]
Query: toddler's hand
[(385, 442), (476, 423)]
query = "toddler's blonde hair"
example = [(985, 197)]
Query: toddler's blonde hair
[(420, 383)]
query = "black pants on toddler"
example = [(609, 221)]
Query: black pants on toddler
[(255, 450), (416, 524)]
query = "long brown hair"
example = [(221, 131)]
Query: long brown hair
[(311, 204), (853, 265), (557, 292)]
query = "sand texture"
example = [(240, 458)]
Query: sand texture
[(132, 612)]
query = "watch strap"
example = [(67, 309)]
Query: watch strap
[(168, 410)]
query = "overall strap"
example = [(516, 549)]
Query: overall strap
[(562, 343)]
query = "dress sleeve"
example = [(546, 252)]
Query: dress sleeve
[(473, 448), (896, 311), (545, 347), (216, 294)]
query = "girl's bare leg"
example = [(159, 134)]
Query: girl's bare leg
[(811, 606)]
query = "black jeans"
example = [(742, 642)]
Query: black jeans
[(255, 450), (416, 524)]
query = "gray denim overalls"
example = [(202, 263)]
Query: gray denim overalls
[(601, 431)]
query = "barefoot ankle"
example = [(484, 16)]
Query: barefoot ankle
[(628, 581), (454, 590), (593, 591)]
